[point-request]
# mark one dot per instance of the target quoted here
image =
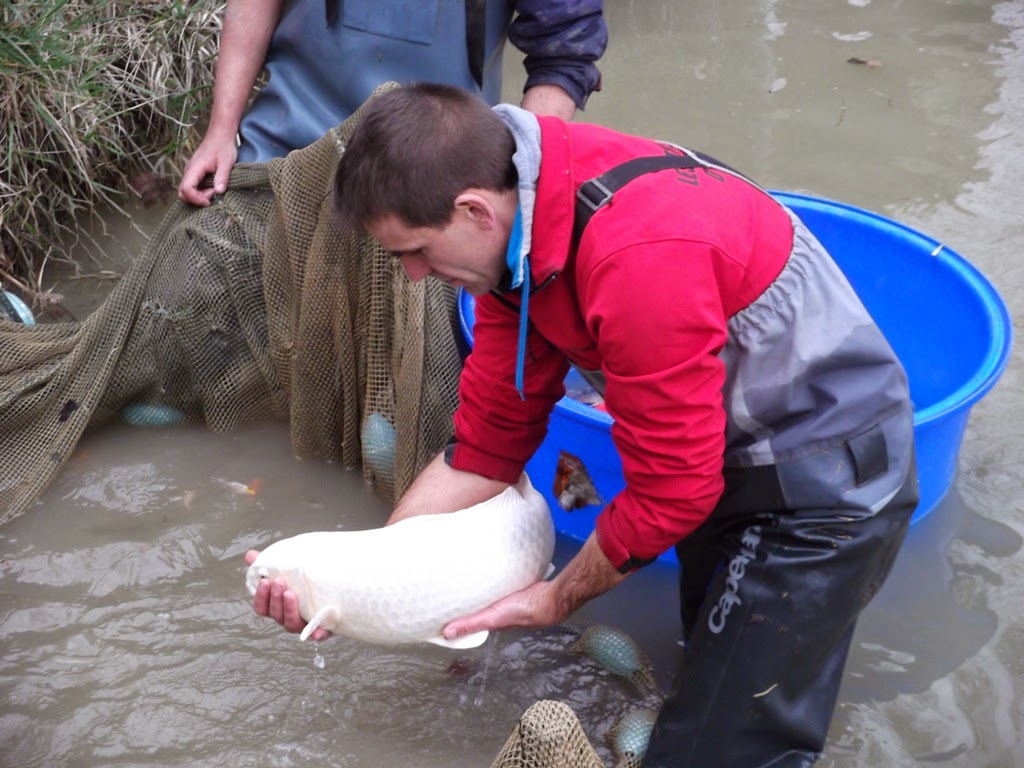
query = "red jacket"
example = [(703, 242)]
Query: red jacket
[(645, 300)]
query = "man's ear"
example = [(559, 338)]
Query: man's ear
[(477, 205)]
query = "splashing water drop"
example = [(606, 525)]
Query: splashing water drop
[(483, 673)]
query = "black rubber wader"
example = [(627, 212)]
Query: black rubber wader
[(770, 588)]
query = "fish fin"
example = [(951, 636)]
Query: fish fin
[(473, 640), (317, 620), (551, 569)]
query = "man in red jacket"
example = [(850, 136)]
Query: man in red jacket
[(763, 422)]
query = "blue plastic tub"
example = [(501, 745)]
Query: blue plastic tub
[(945, 321)]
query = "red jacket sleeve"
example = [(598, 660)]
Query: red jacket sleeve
[(496, 431), (657, 315)]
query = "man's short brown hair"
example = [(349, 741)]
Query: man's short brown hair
[(415, 150)]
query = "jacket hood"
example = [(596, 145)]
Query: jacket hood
[(526, 132)]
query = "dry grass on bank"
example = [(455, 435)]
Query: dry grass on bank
[(92, 94)]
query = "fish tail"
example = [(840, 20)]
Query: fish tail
[(328, 613)]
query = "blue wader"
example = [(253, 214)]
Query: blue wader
[(325, 60)]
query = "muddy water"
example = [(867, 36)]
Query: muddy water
[(129, 639), (126, 632)]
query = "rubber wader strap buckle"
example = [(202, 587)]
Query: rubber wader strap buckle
[(870, 455), (593, 194)]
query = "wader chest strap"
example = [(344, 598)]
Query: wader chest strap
[(597, 192), (476, 38)]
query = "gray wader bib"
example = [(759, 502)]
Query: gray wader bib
[(820, 485), (771, 586)]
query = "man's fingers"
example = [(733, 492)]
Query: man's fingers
[(319, 634), (274, 600), (261, 600), (469, 624), (200, 197), (276, 605), (220, 178), (292, 620), (512, 611)]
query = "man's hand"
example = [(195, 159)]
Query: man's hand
[(244, 41), (545, 603), (274, 600), (215, 155), (536, 606)]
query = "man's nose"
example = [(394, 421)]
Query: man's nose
[(415, 268)]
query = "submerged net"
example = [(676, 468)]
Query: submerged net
[(258, 308), (253, 308)]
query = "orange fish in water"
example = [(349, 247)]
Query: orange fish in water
[(573, 487), (249, 490)]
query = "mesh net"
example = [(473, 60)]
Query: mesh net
[(617, 652), (253, 308), (548, 735)]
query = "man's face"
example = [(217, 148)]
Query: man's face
[(462, 253)]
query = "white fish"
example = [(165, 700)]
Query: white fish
[(404, 582)]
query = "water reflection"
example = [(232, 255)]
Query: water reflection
[(129, 636), (933, 613)]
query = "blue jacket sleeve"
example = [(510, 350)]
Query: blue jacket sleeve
[(561, 39)]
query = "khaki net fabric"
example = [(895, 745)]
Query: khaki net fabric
[(253, 308), (549, 735)]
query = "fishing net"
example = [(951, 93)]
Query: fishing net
[(617, 652), (258, 308), (253, 308), (549, 735)]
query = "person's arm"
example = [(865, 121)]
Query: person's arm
[(549, 100), (546, 603), (665, 396), (561, 40), (439, 488), (248, 27)]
